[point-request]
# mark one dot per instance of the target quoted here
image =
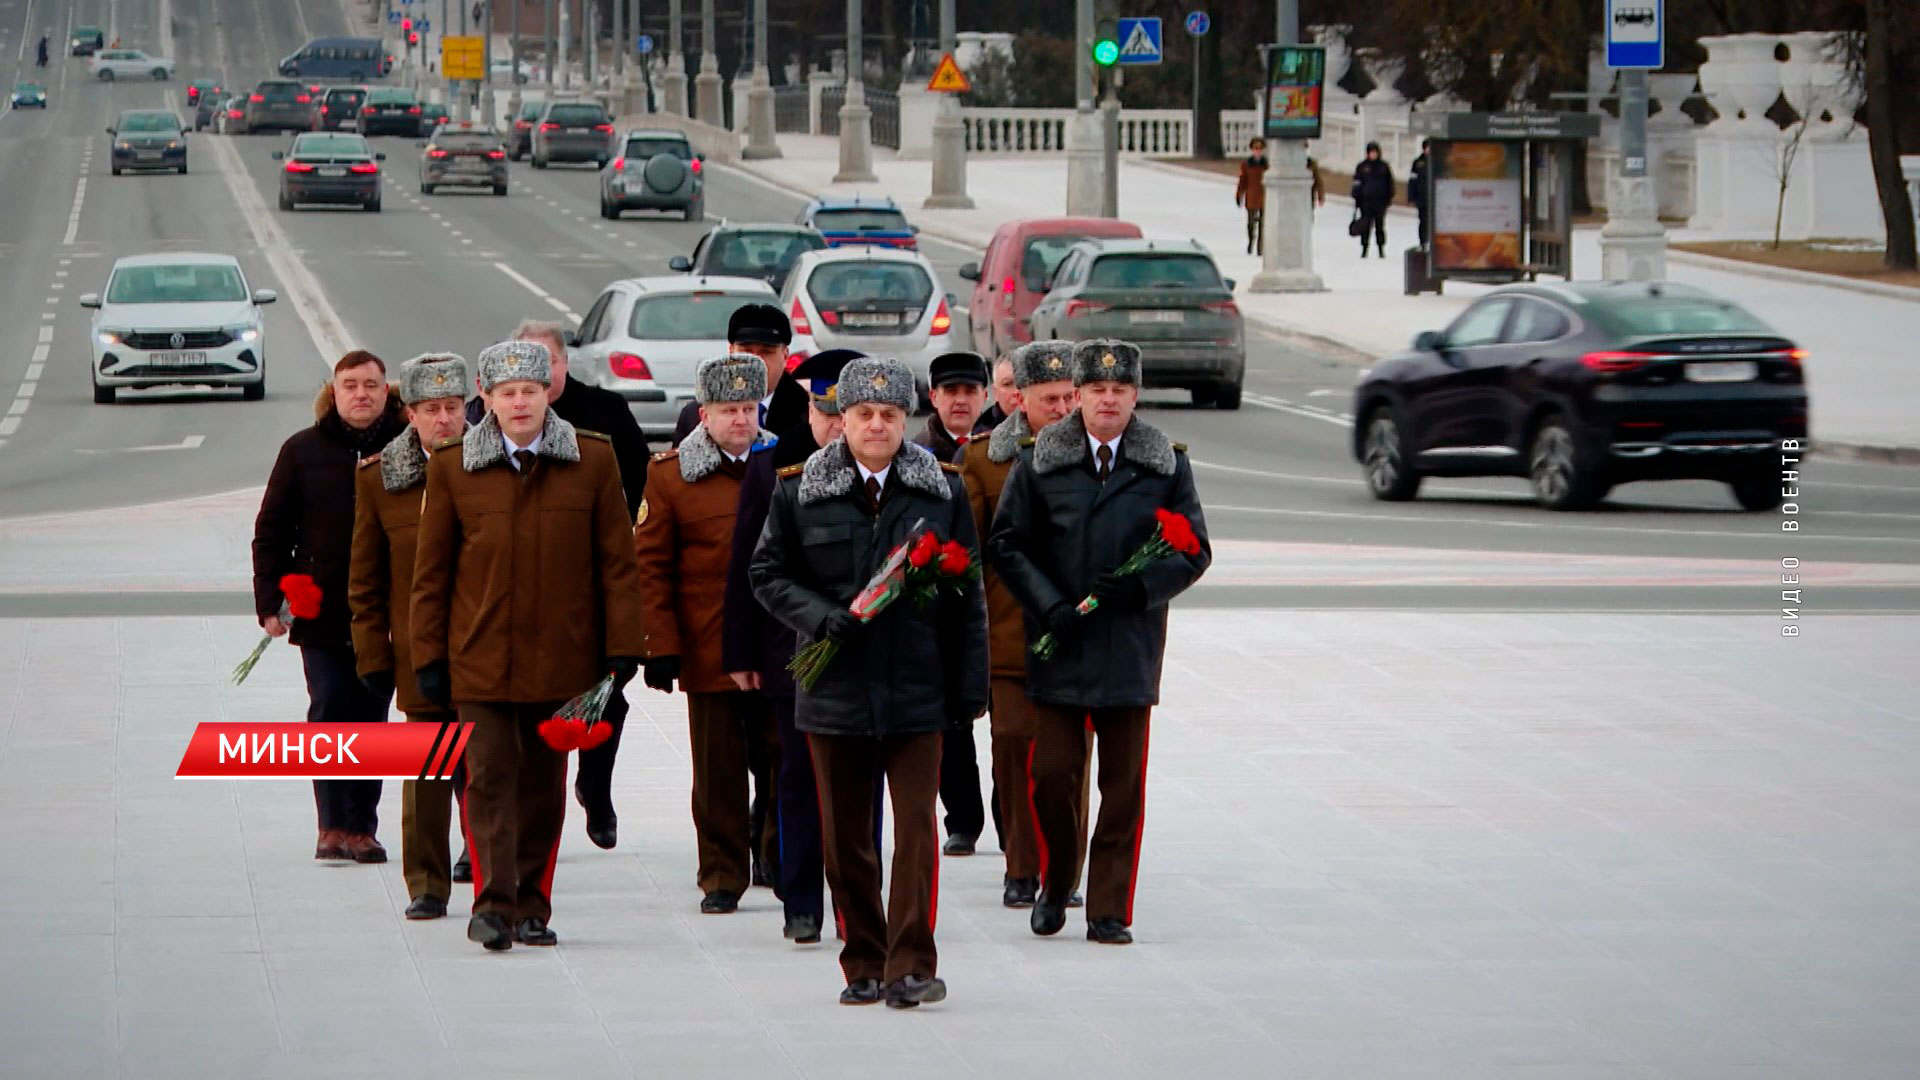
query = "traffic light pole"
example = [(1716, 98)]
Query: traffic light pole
[(1083, 136), (1286, 258)]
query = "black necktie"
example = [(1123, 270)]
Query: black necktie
[(525, 459), (873, 491), (1106, 461)]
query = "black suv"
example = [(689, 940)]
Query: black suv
[(339, 108), (390, 110), (1582, 386), (278, 105)]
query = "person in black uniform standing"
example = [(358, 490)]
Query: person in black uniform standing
[(591, 408)]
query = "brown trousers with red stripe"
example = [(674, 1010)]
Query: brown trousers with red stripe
[(426, 811), (726, 732), (1013, 721), (516, 806), (897, 940), (1059, 777)]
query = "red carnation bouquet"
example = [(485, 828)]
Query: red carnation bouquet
[(577, 724), (299, 599), (1172, 533), (918, 568)]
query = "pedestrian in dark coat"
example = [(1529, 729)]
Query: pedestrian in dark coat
[(599, 410), (760, 330), (1417, 192), (896, 684), (1372, 195), (386, 528), (305, 526), (1250, 191), (1081, 500)]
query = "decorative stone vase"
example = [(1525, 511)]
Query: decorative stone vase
[(1671, 91), (1384, 73), (1339, 55)]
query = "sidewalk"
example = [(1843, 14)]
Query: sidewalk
[(1864, 380)]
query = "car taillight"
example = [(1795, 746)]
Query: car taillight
[(628, 366), (235, 114), (619, 164), (413, 110), (257, 97), (1611, 362), (1797, 357), (794, 359), (299, 167), (797, 318), (942, 322), (1222, 307), (302, 99), (549, 126), (829, 318), (696, 166), (324, 110), (1006, 292), (436, 153), (364, 168), (368, 110), (496, 155), (1082, 307), (522, 124), (604, 129)]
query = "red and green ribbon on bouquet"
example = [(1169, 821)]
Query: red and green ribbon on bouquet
[(1172, 535), (299, 599), (918, 569)]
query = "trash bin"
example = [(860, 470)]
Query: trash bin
[(1416, 273)]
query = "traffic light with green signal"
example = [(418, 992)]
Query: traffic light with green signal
[(1106, 42)]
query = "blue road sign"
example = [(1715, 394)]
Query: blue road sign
[(1140, 40), (393, 17), (1198, 24), (423, 24), (1636, 33), (643, 44)]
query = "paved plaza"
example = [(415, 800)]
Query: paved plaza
[(1378, 845)]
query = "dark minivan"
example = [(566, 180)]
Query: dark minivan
[(354, 58)]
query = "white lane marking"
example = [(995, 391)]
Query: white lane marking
[(19, 406), (1636, 530), (34, 370), (46, 334), (1278, 405), (328, 331), (552, 301), (1323, 392), (191, 442), (9, 425), (25, 393), (79, 201)]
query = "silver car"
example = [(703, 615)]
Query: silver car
[(643, 338), (655, 170)]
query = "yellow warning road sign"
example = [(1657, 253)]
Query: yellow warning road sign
[(948, 78), (463, 57)]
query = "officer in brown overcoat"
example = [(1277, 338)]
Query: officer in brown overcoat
[(1043, 381), (525, 593), (386, 525), (684, 539)]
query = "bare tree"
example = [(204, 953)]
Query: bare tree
[(1883, 140), (1785, 155)]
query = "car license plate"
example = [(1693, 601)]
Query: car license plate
[(176, 359), (470, 165), (333, 172), (858, 318), (1156, 316), (148, 155), (1723, 371)]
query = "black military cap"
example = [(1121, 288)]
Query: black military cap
[(759, 324), (957, 367), (820, 374)]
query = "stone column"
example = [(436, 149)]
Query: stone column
[(856, 133), (761, 143), (706, 85), (949, 190), (674, 82)]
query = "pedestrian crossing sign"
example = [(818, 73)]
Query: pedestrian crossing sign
[(1140, 40), (948, 78)]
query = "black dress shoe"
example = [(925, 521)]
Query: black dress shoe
[(720, 902), (911, 990), (958, 845), (862, 992), (1109, 932), (531, 931), (802, 929), (1048, 917), (1076, 900), (463, 869), (1021, 892), (490, 931), (427, 907)]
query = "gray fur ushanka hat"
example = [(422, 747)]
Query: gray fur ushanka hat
[(513, 361), (1106, 360), (1042, 362), (735, 377), (880, 379), (433, 375)]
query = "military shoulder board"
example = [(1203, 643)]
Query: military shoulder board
[(667, 455), (1180, 447), (593, 435), (372, 459), (950, 467), (790, 470), (1028, 441)]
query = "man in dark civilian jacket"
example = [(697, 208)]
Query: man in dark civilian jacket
[(1078, 503), (895, 685), (305, 526)]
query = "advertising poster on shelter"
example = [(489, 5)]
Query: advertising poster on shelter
[(1477, 206)]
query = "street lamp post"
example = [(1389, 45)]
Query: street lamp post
[(760, 141), (949, 190), (1633, 243), (1286, 257), (856, 138), (707, 84), (1083, 137), (676, 76), (513, 49)]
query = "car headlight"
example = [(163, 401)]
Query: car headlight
[(123, 146), (244, 333), (173, 144), (110, 337)]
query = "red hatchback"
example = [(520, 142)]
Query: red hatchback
[(1011, 278)]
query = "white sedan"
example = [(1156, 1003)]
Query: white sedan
[(110, 64), (178, 319), (878, 300)]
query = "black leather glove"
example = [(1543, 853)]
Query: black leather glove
[(379, 684), (1063, 620), (436, 685), (841, 626), (963, 714), (624, 668), (1124, 593), (661, 671)]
